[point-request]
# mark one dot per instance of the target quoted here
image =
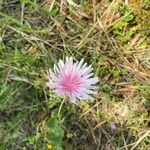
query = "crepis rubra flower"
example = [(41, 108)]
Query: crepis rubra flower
[(73, 79)]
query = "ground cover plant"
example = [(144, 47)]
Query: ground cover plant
[(111, 35)]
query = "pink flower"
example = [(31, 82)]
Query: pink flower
[(113, 126), (73, 80)]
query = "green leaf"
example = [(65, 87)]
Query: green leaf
[(53, 102), (143, 45), (55, 133), (116, 73)]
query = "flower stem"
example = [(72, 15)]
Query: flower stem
[(60, 108)]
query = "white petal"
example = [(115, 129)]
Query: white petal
[(84, 66), (56, 69), (59, 92), (60, 64), (50, 85), (91, 92), (52, 75), (92, 80), (73, 98), (86, 96), (67, 67), (93, 87), (80, 64), (85, 77)]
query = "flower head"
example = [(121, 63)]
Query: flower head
[(73, 79), (113, 126)]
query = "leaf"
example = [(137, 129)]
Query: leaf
[(143, 45), (55, 133), (116, 73), (32, 139), (53, 102)]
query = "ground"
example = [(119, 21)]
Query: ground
[(113, 36)]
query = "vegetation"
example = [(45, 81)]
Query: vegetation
[(113, 36)]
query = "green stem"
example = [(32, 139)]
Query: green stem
[(60, 108)]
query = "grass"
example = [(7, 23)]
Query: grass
[(113, 36)]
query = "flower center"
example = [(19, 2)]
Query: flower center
[(70, 82)]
